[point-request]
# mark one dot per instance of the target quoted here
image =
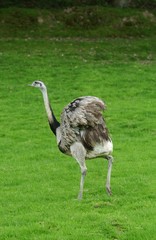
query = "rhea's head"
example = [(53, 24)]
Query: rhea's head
[(38, 84)]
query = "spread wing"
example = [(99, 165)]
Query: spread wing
[(82, 120)]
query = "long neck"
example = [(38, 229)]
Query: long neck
[(53, 123)]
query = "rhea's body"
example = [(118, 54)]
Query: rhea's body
[(82, 132), (102, 149)]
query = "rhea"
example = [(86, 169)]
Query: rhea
[(82, 132)]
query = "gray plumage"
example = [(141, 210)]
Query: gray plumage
[(82, 121), (82, 132)]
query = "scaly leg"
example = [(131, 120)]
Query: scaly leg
[(83, 174), (110, 161), (79, 152)]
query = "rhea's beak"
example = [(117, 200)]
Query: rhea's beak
[(30, 85)]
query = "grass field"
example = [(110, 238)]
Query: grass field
[(38, 184)]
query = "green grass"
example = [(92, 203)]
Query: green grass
[(38, 184), (89, 21)]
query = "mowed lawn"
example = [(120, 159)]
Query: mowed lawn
[(38, 184)]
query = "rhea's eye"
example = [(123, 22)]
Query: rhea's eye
[(38, 83)]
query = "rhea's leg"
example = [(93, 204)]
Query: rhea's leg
[(83, 174), (79, 152), (110, 161)]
